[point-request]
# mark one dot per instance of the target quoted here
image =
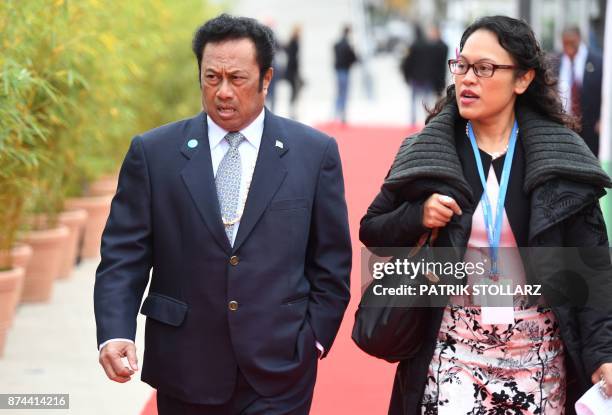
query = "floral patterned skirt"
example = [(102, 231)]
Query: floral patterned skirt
[(502, 369)]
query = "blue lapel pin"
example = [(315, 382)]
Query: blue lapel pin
[(192, 143)]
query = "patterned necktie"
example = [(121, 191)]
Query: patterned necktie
[(228, 183), (576, 90)]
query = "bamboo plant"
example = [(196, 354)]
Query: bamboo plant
[(78, 79)]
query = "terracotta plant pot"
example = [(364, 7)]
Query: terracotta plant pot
[(74, 220), (97, 209), (105, 186), (21, 255), (48, 251), (9, 284)]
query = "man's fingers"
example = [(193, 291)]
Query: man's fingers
[(110, 372), (113, 357), (450, 203), (119, 360), (132, 359), (121, 373), (119, 367), (108, 368)]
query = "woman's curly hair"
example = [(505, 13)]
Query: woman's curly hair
[(518, 39)]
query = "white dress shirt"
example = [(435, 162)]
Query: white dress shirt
[(565, 75), (248, 149)]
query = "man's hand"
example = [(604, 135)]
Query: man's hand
[(604, 372), (111, 360)]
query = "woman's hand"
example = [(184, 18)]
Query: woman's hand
[(438, 210), (604, 372)]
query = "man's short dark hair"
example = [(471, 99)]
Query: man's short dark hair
[(573, 30), (225, 27), (346, 30)]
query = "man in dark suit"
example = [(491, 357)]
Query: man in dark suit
[(241, 216), (580, 71)]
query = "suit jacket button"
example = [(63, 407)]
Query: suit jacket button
[(234, 260), (233, 305)]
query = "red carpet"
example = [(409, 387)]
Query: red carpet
[(350, 382)]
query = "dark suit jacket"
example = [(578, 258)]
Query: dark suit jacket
[(590, 97), (590, 100), (288, 270)]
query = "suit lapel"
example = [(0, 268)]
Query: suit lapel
[(269, 173), (200, 181)]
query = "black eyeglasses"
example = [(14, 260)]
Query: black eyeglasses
[(481, 69)]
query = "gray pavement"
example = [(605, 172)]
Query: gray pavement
[(51, 348)]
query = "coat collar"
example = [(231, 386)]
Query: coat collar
[(431, 155), (551, 151)]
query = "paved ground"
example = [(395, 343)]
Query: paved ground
[(51, 348)]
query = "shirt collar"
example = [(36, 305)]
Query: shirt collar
[(582, 53), (251, 132)]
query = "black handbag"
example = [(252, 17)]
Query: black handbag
[(392, 327)]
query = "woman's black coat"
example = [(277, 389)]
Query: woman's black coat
[(552, 202)]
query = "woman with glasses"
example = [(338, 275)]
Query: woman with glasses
[(498, 165)]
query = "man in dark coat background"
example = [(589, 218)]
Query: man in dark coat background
[(424, 69), (344, 58), (580, 71)]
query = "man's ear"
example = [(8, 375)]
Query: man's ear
[(267, 79), (522, 82)]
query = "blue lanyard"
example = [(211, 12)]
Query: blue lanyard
[(494, 228)]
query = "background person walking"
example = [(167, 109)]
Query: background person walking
[(344, 58)]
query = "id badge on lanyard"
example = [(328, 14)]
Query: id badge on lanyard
[(496, 309), (496, 306)]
